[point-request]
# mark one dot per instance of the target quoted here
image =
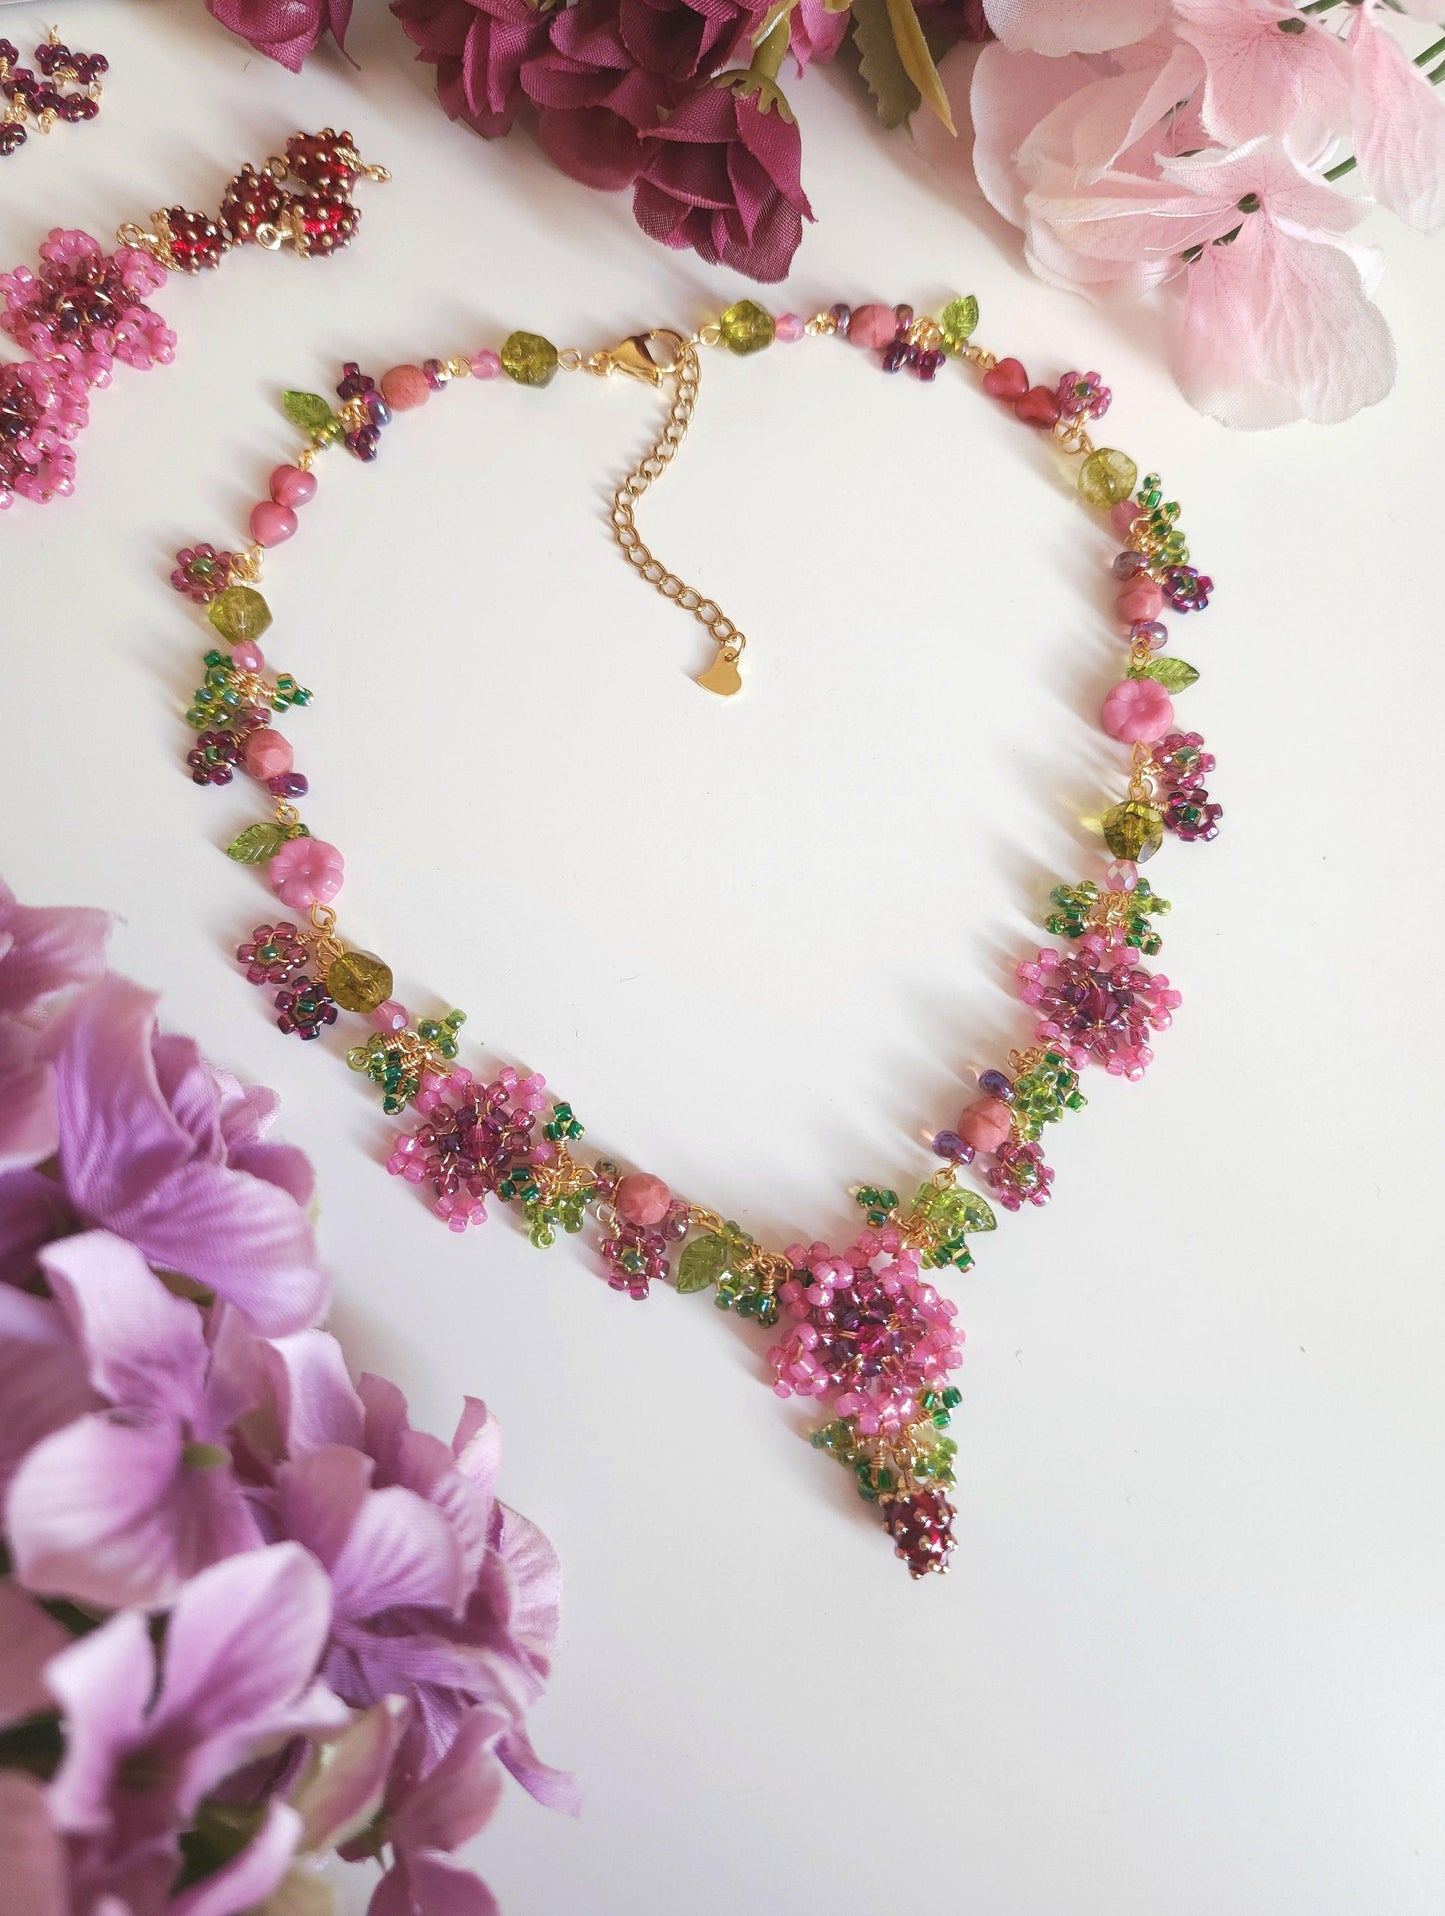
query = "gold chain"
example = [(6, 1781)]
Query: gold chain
[(722, 676)]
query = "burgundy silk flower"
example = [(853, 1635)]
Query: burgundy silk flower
[(724, 179), (155, 1146), (596, 108), (685, 39), (284, 30), (478, 48)]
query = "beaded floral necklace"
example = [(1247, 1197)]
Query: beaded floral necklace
[(862, 1329)]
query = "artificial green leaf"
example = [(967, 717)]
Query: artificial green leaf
[(883, 70), (1175, 675), (309, 411), (702, 1263), (960, 316), (256, 844), (917, 60)]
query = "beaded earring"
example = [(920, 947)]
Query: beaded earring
[(41, 95), (87, 309)]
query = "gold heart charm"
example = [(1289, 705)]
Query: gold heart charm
[(722, 677)]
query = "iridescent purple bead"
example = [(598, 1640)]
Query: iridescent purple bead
[(288, 785), (996, 1085), (1126, 564), (950, 1146), (1153, 630), (842, 317)]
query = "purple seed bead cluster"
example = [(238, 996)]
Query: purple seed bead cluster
[(306, 1006), (903, 350), (273, 954), (1186, 588), (214, 757), (636, 1254), (355, 384)]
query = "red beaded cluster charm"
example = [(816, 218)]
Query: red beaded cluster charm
[(866, 1331), (61, 87)]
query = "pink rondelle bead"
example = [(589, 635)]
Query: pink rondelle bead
[(292, 486), (788, 327), (405, 388), (873, 326), (272, 525), (1140, 599), (1138, 711), (486, 365), (985, 1124), (391, 1016), (266, 753), (248, 656), (642, 1198)]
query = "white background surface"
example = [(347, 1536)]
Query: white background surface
[(1190, 1656)]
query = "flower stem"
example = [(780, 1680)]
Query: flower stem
[(768, 54)]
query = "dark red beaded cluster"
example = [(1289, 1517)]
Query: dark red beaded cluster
[(306, 1008), (921, 1526), (1018, 1175), (315, 211), (42, 95), (357, 385)]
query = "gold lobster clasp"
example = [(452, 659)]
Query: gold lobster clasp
[(650, 356)]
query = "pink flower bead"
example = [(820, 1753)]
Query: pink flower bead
[(873, 326), (1140, 599), (292, 486), (266, 754), (404, 388), (306, 872), (642, 1199), (1137, 711), (486, 365), (788, 327), (985, 1124), (272, 525)]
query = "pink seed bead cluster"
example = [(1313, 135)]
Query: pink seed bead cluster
[(864, 1330), (1098, 1002)]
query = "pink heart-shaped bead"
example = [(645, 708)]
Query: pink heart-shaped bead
[(1038, 407), (1006, 380)]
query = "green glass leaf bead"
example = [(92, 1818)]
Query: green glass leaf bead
[(529, 359), (746, 327), (309, 411), (359, 980), (1175, 675), (702, 1263), (239, 613), (257, 844), (1107, 476), (959, 318), (1133, 829)]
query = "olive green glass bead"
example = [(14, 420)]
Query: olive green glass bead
[(1107, 476), (359, 980), (1133, 829), (746, 327), (239, 613), (529, 359)]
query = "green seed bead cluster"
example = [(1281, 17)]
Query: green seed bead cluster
[(397, 1061), (1044, 1093), (1165, 536), (882, 1467), (226, 690), (879, 1204), (950, 1214), (1078, 909)]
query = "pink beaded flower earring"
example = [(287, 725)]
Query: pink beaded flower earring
[(66, 86), (87, 310)]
